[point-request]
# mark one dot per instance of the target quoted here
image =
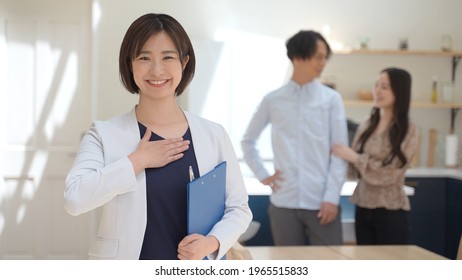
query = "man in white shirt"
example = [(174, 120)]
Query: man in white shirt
[(306, 119)]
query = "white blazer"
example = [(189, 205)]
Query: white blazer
[(103, 176)]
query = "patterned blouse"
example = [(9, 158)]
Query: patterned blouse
[(381, 186)]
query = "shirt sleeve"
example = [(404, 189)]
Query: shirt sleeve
[(338, 167), (257, 124), (352, 173)]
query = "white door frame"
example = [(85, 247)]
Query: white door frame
[(54, 102)]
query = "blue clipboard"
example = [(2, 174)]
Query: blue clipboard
[(206, 197)]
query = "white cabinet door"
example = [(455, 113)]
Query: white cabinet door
[(45, 105)]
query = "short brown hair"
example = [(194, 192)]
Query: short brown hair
[(137, 35)]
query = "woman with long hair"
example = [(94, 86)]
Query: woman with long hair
[(381, 152)]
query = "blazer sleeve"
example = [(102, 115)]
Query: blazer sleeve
[(91, 183), (237, 216)]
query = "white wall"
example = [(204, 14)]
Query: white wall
[(207, 21)]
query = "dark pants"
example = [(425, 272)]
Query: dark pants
[(381, 226), (301, 227)]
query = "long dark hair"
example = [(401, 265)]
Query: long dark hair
[(400, 82)]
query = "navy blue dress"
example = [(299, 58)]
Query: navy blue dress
[(166, 204)]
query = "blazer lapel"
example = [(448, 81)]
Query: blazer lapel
[(199, 138)]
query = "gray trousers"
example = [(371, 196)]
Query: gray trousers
[(292, 227)]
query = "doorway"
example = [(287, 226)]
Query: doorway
[(45, 105)]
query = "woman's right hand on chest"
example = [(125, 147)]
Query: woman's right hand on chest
[(153, 154)]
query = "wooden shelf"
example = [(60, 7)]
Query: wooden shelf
[(399, 52), (430, 105), (455, 57), (414, 104)]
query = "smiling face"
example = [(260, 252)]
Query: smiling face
[(157, 69), (384, 97)]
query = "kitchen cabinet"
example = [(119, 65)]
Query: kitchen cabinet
[(436, 214), (435, 219), (259, 206), (453, 216), (427, 216)]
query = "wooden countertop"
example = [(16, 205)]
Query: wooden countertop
[(294, 253), (345, 252)]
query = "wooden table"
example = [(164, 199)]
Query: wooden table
[(345, 252), (294, 253)]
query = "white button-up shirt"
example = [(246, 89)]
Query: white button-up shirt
[(306, 120)]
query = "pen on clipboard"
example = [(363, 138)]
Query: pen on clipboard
[(191, 174)]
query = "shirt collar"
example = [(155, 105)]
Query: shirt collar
[(305, 87)]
